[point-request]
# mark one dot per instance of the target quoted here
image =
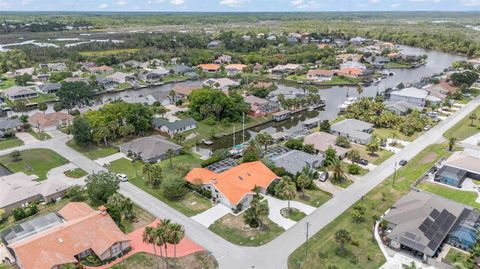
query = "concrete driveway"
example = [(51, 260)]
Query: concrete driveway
[(26, 138), (208, 217), (276, 205), (111, 158)]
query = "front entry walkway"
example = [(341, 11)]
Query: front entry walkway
[(26, 138), (208, 217), (107, 160), (276, 205)]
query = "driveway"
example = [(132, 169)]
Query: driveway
[(472, 142), (58, 173), (26, 138), (111, 158), (208, 217), (328, 186), (276, 205)]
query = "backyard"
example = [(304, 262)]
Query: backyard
[(457, 258), (362, 252), (191, 204), (34, 161), (234, 229)]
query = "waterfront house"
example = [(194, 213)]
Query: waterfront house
[(350, 72), (107, 83), (171, 128), (320, 75), (281, 115), (234, 69), (353, 64), (400, 108), (180, 69), (122, 77), (295, 161), (260, 106), (356, 131), (150, 149), (414, 96), (209, 68), (223, 84), (48, 88), (322, 141)]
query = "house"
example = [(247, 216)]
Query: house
[(172, 128), (458, 167), (320, 75), (286, 69), (131, 64), (420, 222), (350, 72), (349, 57), (181, 69), (86, 65), (19, 189), (400, 108), (21, 71), (121, 77), (19, 93), (214, 44), (10, 124), (234, 186), (234, 69), (154, 75), (414, 96), (78, 79), (42, 122), (261, 107), (101, 70), (209, 68), (322, 141), (152, 64), (281, 115), (353, 64), (54, 67), (182, 92), (475, 63), (57, 239), (378, 60), (223, 59), (107, 83), (295, 161), (150, 149), (442, 89), (356, 41), (223, 84), (42, 77), (356, 131), (49, 88)]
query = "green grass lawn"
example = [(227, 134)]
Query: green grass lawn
[(93, 152), (464, 197), (364, 253), (387, 133), (340, 81), (378, 158), (314, 198), (39, 136), (107, 52), (347, 182), (10, 143), (7, 83), (457, 258), (397, 65), (76, 173), (294, 214), (190, 205), (463, 129), (34, 161), (232, 228)]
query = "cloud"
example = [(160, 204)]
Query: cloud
[(394, 5), (424, 1), (103, 6), (234, 3), (470, 3), (374, 1), (306, 4), (177, 2), (121, 2)]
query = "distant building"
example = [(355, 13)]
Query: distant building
[(223, 59), (19, 93), (222, 84), (358, 41), (121, 77), (54, 67), (356, 131), (214, 44), (107, 83), (458, 167), (49, 88), (101, 70), (234, 69)]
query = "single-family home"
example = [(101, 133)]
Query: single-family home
[(350, 72), (214, 44), (353, 64), (356, 131), (236, 185), (154, 75), (322, 141), (261, 107), (86, 65), (78, 79), (131, 64), (349, 57), (42, 122), (122, 77), (458, 167), (295, 161), (49, 88), (174, 127), (10, 124), (320, 75), (420, 222), (101, 70), (152, 64), (42, 77), (378, 60), (65, 237), (19, 93), (21, 71), (442, 89), (19, 189), (107, 83), (400, 108), (234, 69), (54, 67), (181, 69), (223, 59), (182, 92), (209, 68), (356, 41), (223, 84), (413, 96), (150, 149)]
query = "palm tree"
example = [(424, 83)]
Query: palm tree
[(147, 170), (148, 237), (354, 155), (264, 139), (170, 153), (374, 219), (42, 107), (303, 181), (451, 143), (164, 226), (286, 189), (473, 117), (342, 237), (359, 90), (338, 174), (179, 138), (159, 239), (176, 235)]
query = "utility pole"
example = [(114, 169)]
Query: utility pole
[(243, 127), (234, 137), (394, 174), (307, 225)]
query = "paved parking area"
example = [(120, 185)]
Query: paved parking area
[(208, 217)]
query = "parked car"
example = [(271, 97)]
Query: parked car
[(323, 176), (403, 162), (363, 162), (426, 128), (122, 177)]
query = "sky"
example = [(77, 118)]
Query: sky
[(239, 5)]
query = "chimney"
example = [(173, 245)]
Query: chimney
[(103, 210)]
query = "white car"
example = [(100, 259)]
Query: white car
[(122, 177)]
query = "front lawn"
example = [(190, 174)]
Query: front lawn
[(363, 253), (34, 161), (457, 258), (378, 157), (191, 204), (76, 173), (234, 229), (199, 260), (294, 214), (39, 136), (10, 143), (93, 152), (387, 133), (463, 129), (314, 198), (458, 195), (344, 184), (336, 80)]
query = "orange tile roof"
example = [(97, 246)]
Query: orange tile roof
[(58, 245), (322, 72), (39, 119), (350, 71), (236, 182), (101, 68), (75, 210), (209, 66)]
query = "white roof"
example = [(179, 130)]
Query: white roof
[(411, 92)]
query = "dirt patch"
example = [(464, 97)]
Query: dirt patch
[(143, 218), (199, 260), (430, 157), (237, 223)]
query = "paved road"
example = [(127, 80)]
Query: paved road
[(274, 254)]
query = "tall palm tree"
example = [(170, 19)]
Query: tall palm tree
[(176, 235), (148, 237), (286, 189), (164, 226), (451, 143), (170, 153), (159, 238), (303, 181), (338, 173), (473, 117), (354, 155), (147, 170), (264, 139)]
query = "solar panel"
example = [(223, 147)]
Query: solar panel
[(430, 233), (410, 235), (425, 225), (434, 214)]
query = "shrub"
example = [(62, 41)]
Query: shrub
[(354, 169), (210, 121), (18, 214), (343, 142), (174, 189), (15, 156)]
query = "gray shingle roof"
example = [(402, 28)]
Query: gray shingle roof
[(7, 124), (49, 87), (150, 147), (353, 127), (173, 126), (294, 161)]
